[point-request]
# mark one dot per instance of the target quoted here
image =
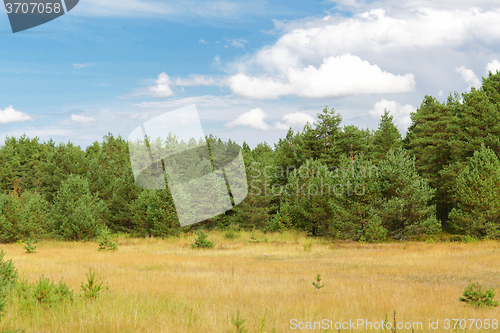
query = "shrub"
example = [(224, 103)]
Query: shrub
[(239, 323), (30, 248), (476, 296), (43, 292), (231, 234), (7, 270), (317, 283), (106, 242), (91, 289), (201, 241)]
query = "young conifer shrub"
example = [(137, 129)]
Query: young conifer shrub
[(239, 322), (317, 283), (475, 295), (201, 241), (106, 242), (30, 247), (91, 289)]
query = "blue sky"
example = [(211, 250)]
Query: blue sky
[(252, 68)]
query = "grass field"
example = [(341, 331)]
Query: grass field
[(165, 286)]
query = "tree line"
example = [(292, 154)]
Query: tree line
[(327, 179)]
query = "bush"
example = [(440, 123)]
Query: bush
[(201, 241), (30, 248), (476, 296), (7, 270), (232, 232), (91, 289), (8, 278), (106, 242), (43, 292)]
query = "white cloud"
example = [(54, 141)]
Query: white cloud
[(196, 80), (493, 66), (9, 115), (297, 120), (255, 119), (162, 88), (83, 120), (79, 66), (469, 77), (337, 76), (202, 41), (401, 113), (374, 33)]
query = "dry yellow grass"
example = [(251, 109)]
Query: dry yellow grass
[(165, 286)]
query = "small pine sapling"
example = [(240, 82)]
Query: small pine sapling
[(30, 248), (476, 296), (201, 241), (91, 289), (317, 284), (238, 323), (253, 239), (106, 242)]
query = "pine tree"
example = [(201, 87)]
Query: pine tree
[(62, 161), (353, 142), (429, 140), (328, 133), (477, 193), (386, 137), (404, 197), (77, 214)]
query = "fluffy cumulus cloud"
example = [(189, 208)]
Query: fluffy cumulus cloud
[(378, 31), (493, 66), (162, 88), (10, 115), (401, 113), (337, 76), (255, 119), (83, 120), (469, 77)]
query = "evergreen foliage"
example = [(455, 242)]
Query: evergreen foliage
[(475, 295), (477, 192), (386, 137), (77, 214), (308, 180), (201, 242)]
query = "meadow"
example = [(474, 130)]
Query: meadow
[(163, 285)]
